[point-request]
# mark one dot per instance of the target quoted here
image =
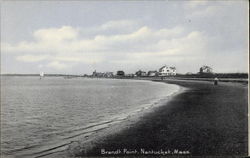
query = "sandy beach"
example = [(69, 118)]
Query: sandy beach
[(204, 120)]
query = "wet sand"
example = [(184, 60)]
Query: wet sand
[(204, 120)]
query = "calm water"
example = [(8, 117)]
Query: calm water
[(38, 115)]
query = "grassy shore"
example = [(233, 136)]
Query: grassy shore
[(204, 120)]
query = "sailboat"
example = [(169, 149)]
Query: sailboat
[(41, 75)]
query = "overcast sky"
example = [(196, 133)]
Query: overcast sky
[(78, 37)]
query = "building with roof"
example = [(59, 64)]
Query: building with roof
[(120, 73), (141, 73), (167, 71)]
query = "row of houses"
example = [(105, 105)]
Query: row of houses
[(103, 74), (163, 71)]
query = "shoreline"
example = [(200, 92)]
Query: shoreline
[(221, 79), (203, 120)]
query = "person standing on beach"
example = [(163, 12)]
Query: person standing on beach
[(216, 81)]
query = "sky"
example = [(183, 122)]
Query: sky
[(78, 37)]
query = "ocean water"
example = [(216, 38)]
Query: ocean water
[(39, 116)]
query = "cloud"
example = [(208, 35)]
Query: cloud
[(209, 11), (57, 65), (119, 24), (56, 34), (32, 58), (64, 40), (109, 28), (64, 47)]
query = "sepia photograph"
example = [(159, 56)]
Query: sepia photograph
[(117, 78)]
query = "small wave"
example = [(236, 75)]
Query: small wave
[(47, 149)]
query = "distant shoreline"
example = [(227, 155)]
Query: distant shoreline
[(225, 78), (47, 75), (240, 75)]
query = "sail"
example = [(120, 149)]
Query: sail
[(41, 74)]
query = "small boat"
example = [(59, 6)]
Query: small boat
[(41, 75)]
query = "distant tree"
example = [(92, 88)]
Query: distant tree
[(206, 69)]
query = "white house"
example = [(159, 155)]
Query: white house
[(167, 71)]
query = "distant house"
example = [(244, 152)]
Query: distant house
[(152, 73), (108, 74), (206, 69), (167, 71), (120, 73), (141, 73), (97, 74)]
